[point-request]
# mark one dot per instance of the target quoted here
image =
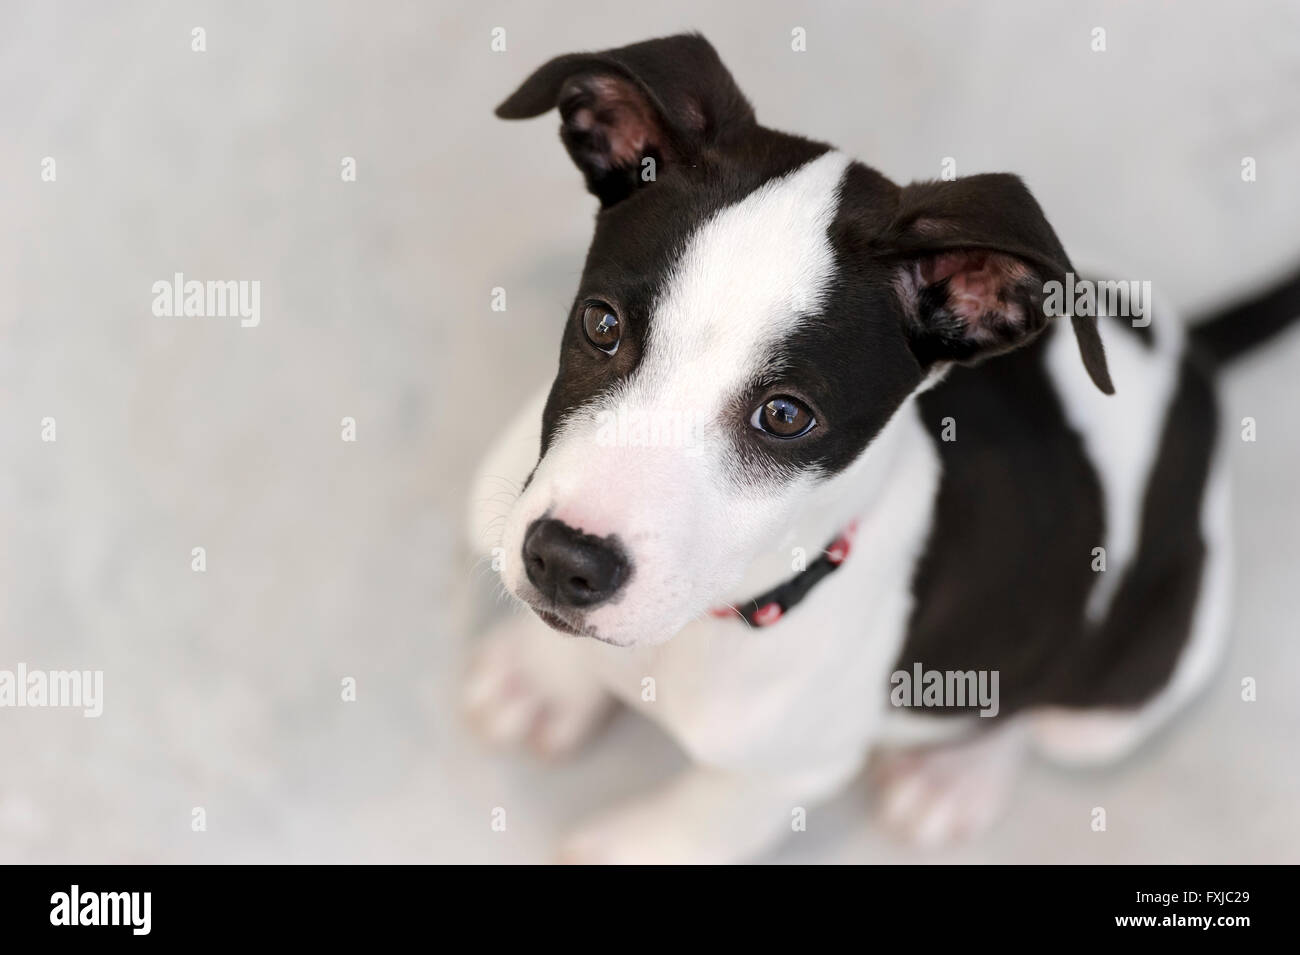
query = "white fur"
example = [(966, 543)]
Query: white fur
[(1120, 433), (749, 277)]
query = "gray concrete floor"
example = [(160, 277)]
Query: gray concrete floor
[(329, 559)]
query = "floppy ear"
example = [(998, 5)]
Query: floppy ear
[(664, 99), (974, 256)]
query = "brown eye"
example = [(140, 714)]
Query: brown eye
[(783, 417), (601, 326)]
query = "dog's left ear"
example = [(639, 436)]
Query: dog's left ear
[(664, 100), (974, 256)]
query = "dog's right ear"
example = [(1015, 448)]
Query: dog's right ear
[(664, 100)]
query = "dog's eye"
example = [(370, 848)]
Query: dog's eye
[(601, 326), (783, 417)]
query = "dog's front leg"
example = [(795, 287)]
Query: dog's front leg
[(704, 816), (527, 684)]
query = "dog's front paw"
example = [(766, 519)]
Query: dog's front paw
[(523, 687), (936, 796)]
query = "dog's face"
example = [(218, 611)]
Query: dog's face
[(753, 310)]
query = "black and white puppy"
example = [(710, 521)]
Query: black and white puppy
[(775, 397)]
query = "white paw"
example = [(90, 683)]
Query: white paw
[(525, 687), (937, 796)]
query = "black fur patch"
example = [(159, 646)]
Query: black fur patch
[(1006, 575)]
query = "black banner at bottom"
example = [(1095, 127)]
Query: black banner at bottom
[(137, 904)]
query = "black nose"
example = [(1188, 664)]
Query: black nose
[(572, 568)]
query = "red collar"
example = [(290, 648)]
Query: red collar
[(769, 607)]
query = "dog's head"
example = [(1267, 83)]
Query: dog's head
[(753, 310)]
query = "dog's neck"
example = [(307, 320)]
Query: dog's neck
[(852, 495)]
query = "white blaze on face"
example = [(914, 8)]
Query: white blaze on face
[(746, 280), (749, 276)]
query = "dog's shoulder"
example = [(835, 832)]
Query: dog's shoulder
[(1045, 489), (1018, 510)]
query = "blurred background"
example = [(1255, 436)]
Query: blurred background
[(329, 559)]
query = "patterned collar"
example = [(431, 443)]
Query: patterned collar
[(769, 607)]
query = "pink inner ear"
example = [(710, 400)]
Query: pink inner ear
[(977, 285), (622, 112)]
